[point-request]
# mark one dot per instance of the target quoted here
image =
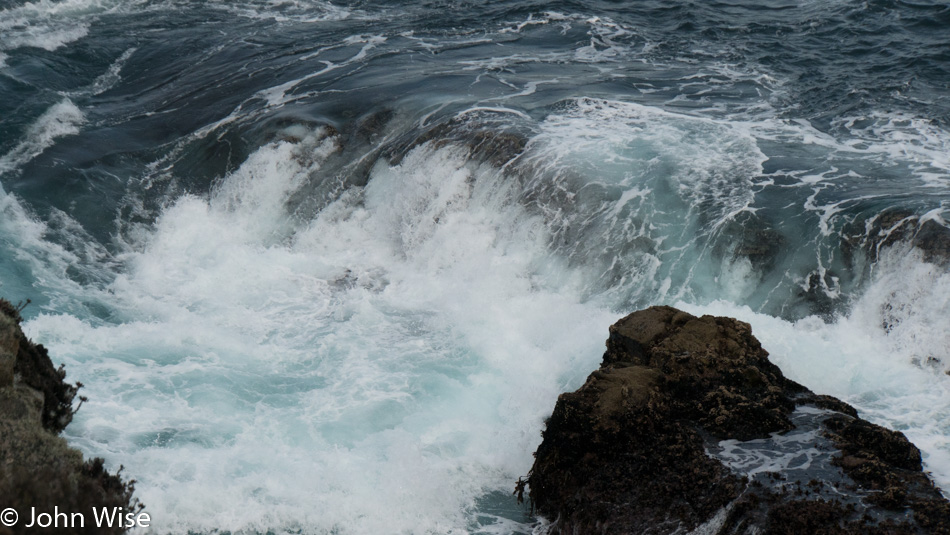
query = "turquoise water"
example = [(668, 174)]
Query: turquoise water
[(324, 268)]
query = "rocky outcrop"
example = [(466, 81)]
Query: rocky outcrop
[(37, 468), (687, 427)]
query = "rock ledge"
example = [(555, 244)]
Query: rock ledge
[(687, 427)]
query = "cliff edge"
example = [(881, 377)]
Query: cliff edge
[(688, 428), (37, 468)]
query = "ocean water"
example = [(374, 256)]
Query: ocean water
[(325, 267)]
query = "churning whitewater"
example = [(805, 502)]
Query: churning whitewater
[(325, 267)]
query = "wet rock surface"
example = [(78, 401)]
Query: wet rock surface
[(751, 236), (488, 140), (38, 469), (895, 226), (687, 427)]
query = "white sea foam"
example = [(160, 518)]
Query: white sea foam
[(381, 366), (46, 24), (625, 173), (899, 137), (802, 450), (608, 43), (108, 79), (19, 33), (277, 95), (888, 357), (545, 18), (62, 119), (384, 364), (53, 24), (376, 369), (34, 264), (312, 11)]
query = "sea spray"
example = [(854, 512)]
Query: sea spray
[(895, 376), (371, 334), (326, 267)]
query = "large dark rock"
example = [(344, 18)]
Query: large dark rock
[(688, 426), (37, 468)]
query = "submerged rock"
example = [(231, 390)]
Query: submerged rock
[(491, 141), (749, 235), (894, 226), (687, 426), (37, 468)]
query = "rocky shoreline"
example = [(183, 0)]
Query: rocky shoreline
[(38, 469), (688, 428)]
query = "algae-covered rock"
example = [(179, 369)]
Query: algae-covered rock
[(688, 426)]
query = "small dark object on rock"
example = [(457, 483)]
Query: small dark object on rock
[(519, 490)]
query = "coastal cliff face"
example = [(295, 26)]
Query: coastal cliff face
[(37, 467), (687, 427)]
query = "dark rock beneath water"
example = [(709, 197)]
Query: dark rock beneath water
[(489, 141), (37, 468), (688, 426), (893, 226), (371, 127), (749, 235), (820, 290), (934, 240)]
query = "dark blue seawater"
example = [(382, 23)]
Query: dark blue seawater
[(325, 267)]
